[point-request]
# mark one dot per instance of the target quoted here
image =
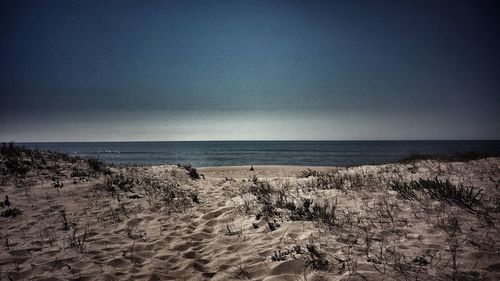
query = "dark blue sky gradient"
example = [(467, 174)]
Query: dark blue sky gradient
[(184, 70)]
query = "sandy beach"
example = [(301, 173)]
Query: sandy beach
[(79, 220)]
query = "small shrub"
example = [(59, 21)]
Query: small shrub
[(329, 181), (78, 173), (301, 213), (123, 181), (261, 189), (325, 213), (273, 225), (267, 211), (194, 174)]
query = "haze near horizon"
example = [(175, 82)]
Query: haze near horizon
[(256, 70)]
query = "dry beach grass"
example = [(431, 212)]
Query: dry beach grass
[(76, 219)]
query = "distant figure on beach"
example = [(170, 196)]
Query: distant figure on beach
[(251, 168)]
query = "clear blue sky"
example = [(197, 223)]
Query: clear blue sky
[(243, 70)]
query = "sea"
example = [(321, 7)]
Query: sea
[(229, 153)]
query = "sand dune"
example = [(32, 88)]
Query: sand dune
[(157, 223)]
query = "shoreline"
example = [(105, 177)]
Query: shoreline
[(317, 154)]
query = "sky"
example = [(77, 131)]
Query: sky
[(249, 70)]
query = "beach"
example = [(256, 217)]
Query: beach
[(82, 220), (250, 140)]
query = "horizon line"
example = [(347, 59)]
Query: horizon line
[(291, 140)]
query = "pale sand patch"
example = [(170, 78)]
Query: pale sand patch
[(268, 171)]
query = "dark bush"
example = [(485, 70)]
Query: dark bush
[(19, 160), (194, 174), (14, 212), (78, 173), (191, 171), (273, 225), (449, 157), (98, 166), (11, 150), (16, 166)]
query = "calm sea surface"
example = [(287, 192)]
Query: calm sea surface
[(222, 153)]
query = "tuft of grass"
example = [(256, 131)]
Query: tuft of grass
[(315, 259), (334, 180), (308, 173), (79, 241), (261, 189), (441, 190), (326, 213), (406, 190), (329, 181), (240, 271)]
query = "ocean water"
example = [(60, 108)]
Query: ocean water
[(223, 153)]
